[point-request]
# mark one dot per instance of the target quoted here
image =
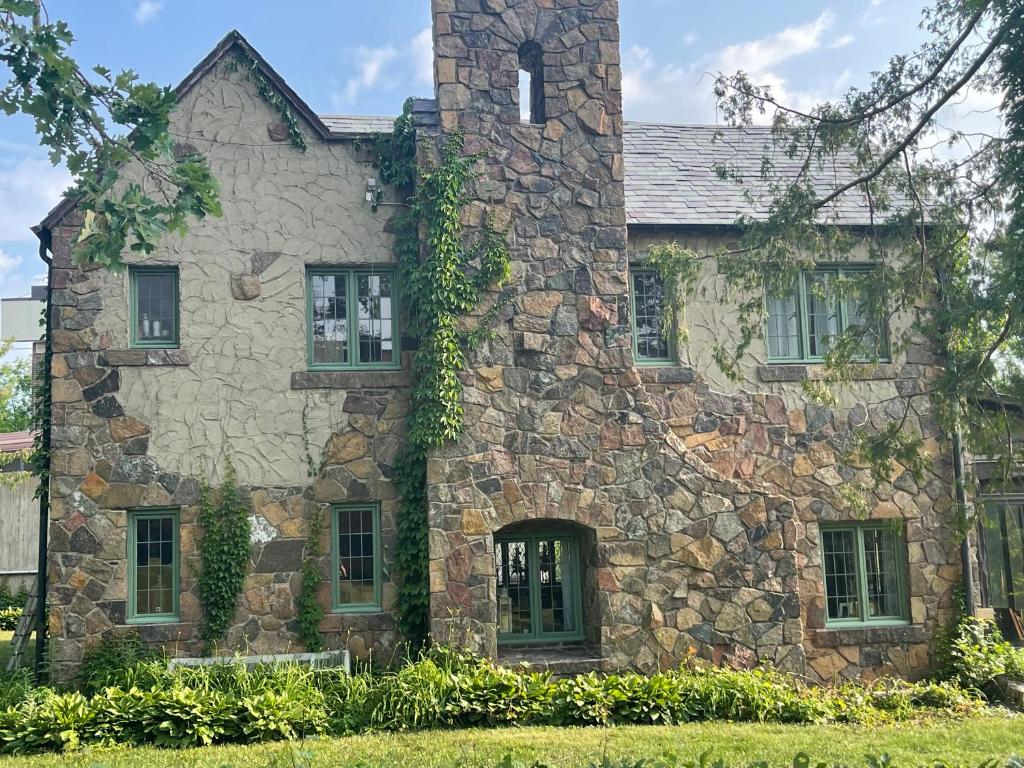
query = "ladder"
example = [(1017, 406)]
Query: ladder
[(22, 633)]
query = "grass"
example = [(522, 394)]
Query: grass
[(967, 742)]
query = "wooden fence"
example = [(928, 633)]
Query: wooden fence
[(19, 535)]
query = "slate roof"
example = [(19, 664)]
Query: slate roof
[(671, 177), (357, 125)]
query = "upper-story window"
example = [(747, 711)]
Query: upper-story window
[(803, 322), (154, 307), (353, 319), (651, 343), (531, 83)]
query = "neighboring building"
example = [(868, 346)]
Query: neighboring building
[(612, 493)]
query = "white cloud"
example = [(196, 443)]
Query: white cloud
[(842, 42), (146, 11), (389, 66), (29, 188), (422, 51), (372, 63), (873, 13), (758, 56), (677, 92)]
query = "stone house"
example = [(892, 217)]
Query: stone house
[(614, 501)]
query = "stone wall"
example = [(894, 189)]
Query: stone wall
[(704, 504), (762, 430), (137, 429)]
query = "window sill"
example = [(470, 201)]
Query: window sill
[(833, 637), (797, 371), (383, 378), (117, 358), (147, 621), (356, 609)]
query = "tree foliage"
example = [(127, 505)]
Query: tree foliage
[(98, 124), (15, 391), (946, 221)]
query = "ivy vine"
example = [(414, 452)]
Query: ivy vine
[(308, 609), (270, 95), (224, 550), (444, 277)]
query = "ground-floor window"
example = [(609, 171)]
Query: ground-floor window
[(865, 573), (355, 550), (1003, 531), (538, 588), (153, 566)]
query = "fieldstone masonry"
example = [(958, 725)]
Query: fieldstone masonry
[(698, 502)]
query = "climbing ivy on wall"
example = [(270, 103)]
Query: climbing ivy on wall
[(224, 550), (270, 95), (444, 275), (308, 609)]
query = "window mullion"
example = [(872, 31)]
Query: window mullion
[(802, 319), (862, 572), (533, 567), (352, 314)]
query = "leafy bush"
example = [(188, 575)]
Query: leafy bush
[(144, 702), (9, 618), (973, 654), (117, 661)]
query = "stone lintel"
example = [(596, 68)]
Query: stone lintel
[(804, 372), (350, 379), (145, 357)]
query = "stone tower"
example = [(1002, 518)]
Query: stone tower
[(561, 437)]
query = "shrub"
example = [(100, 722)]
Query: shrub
[(9, 618), (144, 702), (973, 654), (118, 661)]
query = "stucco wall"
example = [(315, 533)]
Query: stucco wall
[(137, 429)]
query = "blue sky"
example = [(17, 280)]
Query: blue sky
[(356, 57)]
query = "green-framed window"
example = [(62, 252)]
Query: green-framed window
[(865, 574), (153, 566), (801, 323), (155, 314), (355, 558), (352, 318), (651, 341), (1002, 523), (539, 593)]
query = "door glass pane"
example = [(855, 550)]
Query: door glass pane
[(783, 327), (881, 573), (822, 314), (356, 566), (648, 298), (841, 593), (156, 313), (330, 318), (557, 590), (376, 319), (512, 564), (154, 566)]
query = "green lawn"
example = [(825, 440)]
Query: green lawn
[(964, 743)]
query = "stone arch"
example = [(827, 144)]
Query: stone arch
[(573, 597)]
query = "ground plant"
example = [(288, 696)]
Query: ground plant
[(142, 702)]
